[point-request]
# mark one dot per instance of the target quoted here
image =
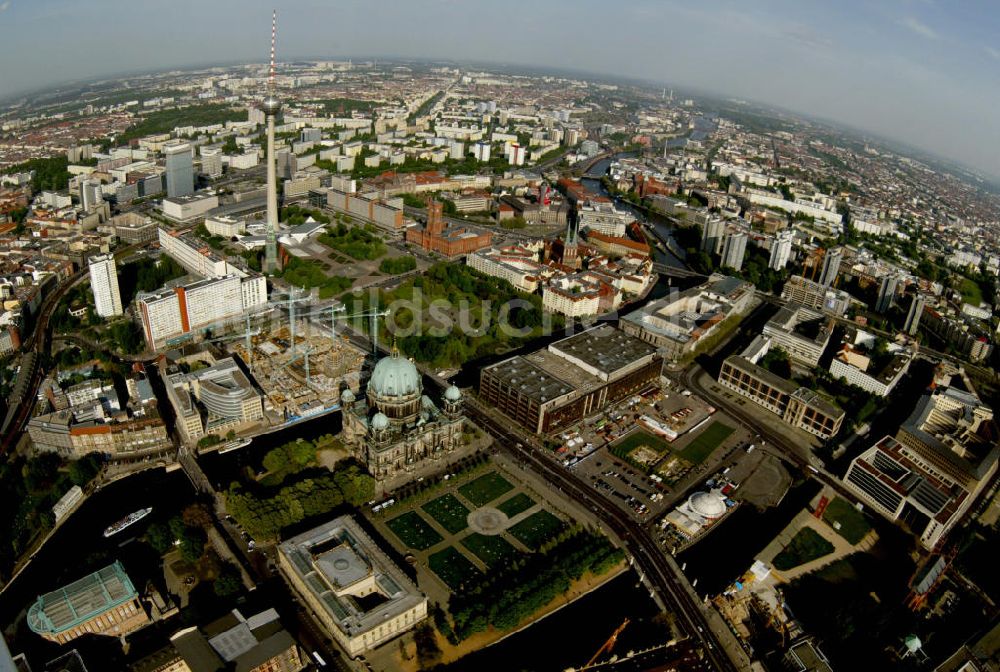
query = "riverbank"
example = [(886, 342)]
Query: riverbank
[(451, 653)]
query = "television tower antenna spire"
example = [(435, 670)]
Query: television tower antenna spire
[(274, 39), (271, 106)]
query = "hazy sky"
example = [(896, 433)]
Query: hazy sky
[(923, 71)]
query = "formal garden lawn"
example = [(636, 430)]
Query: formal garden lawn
[(491, 550), (706, 442), (414, 531), (449, 512), (536, 529), (452, 567), (807, 545), (485, 489), (846, 520), (516, 504)]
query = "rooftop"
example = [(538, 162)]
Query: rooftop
[(81, 600), (328, 560), (603, 351)]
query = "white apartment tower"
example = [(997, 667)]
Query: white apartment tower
[(781, 251), (733, 251), (104, 284)]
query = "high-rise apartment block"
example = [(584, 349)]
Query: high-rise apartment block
[(104, 284), (831, 266), (781, 251), (172, 316), (179, 169), (886, 293), (913, 316), (733, 250)]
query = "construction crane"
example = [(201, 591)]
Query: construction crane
[(332, 314), (608, 645)]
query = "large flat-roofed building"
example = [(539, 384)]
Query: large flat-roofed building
[(801, 332), (798, 406), (103, 603), (172, 316), (942, 458), (571, 379), (678, 323), (359, 596), (516, 264), (190, 207), (861, 363), (213, 400), (195, 255), (815, 295)]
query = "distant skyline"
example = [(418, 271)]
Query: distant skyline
[(924, 72)]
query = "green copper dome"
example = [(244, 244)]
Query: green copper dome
[(394, 377)]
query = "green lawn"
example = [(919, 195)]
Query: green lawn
[(452, 567), (491, 550), (414, 531), (536, 529), (485, 489), (706, 442), (637, 439), (853, 525), (971, 293), (805, 546), (449, 512), (516, 504)]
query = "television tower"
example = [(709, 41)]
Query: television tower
[(271, 108)]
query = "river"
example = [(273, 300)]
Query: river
[(661, 224), (570, 636), (79, 547)]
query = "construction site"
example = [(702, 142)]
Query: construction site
[(299, 358)]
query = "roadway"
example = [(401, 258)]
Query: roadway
[(40, 341), (669, 585), (659, 572)]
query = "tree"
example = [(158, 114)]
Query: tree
[(159, 537), (228, 582), (82, 471)]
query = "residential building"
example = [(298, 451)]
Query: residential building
[(179, 169), (712, 234), (183, 312), (103, 603), (104, 285), (571, 378), (886, 293), (816, 296), (799, 407), (781, 251), (860, 363), (211, 161), (195, 255), (913, 315), (831, 266), (733, 250), (227, 227), (801, 332), (333, 568), (927, 477), (678, 323)]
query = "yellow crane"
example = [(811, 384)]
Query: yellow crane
[(608, 645)]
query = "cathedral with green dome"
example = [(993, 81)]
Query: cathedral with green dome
[(396, 429)]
